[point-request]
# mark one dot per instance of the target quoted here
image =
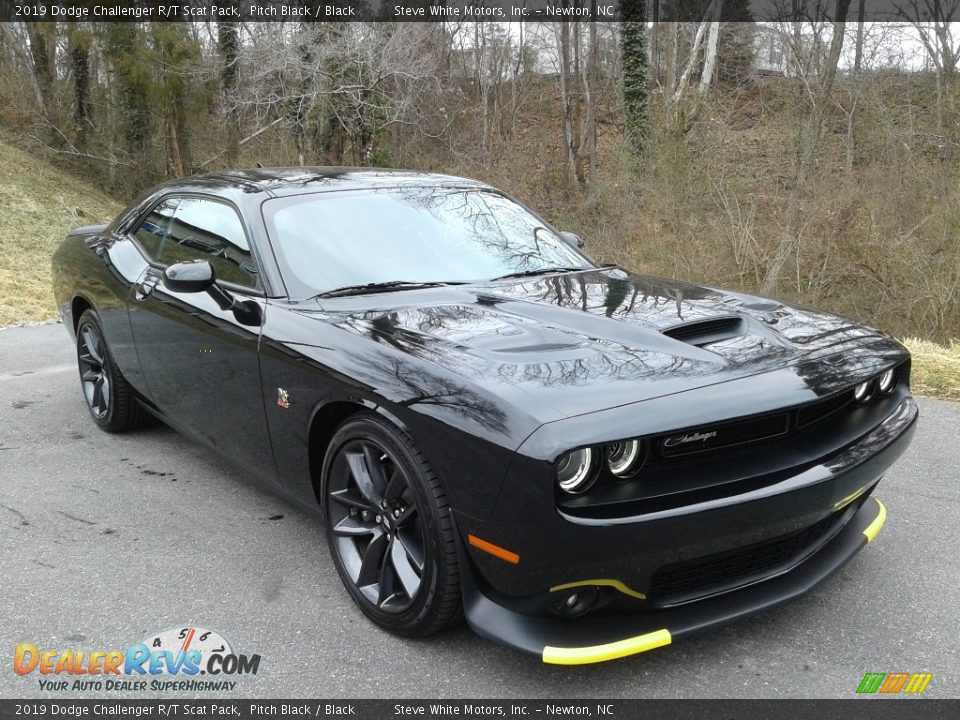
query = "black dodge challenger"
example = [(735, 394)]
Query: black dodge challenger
[(584, 462)]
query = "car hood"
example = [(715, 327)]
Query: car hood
[(574, 343)]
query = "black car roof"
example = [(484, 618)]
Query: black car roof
[(293, 180)]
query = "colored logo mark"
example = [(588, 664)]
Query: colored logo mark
[(891, 683)]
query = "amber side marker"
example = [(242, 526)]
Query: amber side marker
[(495, 550)]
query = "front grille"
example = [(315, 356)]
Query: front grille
[(698, 577), (819, 410), (746, 431), (720, 436)]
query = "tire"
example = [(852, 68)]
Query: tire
[(110, 399), (389, 528)]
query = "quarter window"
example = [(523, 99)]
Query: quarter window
[(212, 231)]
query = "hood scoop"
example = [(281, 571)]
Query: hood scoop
[(704, 332)]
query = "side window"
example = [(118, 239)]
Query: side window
[(210, 230), (156, 227)]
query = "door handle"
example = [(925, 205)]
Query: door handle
[(146, 285)]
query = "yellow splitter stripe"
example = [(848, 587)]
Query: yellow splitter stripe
[(873, 528), (610, 651)]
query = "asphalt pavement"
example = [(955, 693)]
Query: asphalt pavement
[(107, 539)]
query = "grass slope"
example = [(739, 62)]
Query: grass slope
[(936, 369), (39, 204)]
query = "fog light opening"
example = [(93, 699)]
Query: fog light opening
[(579, 603)]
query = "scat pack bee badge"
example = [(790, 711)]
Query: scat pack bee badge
[(185, 653)]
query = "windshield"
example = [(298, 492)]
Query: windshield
[(426, 234)]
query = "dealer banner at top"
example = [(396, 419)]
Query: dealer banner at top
[(471, 10)]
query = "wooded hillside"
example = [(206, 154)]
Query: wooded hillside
[(831, 180)]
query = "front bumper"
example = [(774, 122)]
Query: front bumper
[(600, 638), (828, 506)]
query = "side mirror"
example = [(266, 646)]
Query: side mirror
[(189, 277), (197, 276), (572, 239)]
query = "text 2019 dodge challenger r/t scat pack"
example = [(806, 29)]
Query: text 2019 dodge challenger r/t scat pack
[(585, 462)]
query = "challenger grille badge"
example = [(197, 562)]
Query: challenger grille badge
[(702, 437), (283, 399)]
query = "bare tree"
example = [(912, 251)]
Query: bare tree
[(568, 36), (933, 23), (818, 77), (705, 38), (590, 81)]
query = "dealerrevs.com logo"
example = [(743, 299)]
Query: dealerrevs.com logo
[(180, 659)]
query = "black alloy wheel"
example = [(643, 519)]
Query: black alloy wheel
[(94, 373), (110, 399), (389, 528)]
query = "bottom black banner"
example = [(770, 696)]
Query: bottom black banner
[(859, 709)]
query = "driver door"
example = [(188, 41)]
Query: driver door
[(199, 362)]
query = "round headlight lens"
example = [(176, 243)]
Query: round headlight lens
[(623, 458), (575, 471), (862, 391), (887, 382)]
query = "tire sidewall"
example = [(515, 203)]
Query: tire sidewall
[(90, 319), (370, 426)]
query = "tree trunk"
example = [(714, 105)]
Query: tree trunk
[(80, 69), (590, 87), (175, 49), (858, 51), (571, 138), (634, 78), (42, 49), (123, 46), (675, 101), (709, 59), (228, 44)]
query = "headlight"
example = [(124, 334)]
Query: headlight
[(887, 381), (575, 471), (623, 458), (862, 391)]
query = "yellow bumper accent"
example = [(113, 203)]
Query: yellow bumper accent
[(873, 528), (610, 651), (615, 584), (840, 504)]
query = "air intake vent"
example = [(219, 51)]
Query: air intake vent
[(700, 576), (704, 332)]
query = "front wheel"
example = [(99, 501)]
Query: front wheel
[(389, 528), (110, 400)]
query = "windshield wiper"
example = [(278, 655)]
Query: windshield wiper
[(370, 288), (541, 271)]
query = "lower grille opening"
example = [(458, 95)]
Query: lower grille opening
[(701, 576)]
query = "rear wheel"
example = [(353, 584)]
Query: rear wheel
[(389, 528), (110, 399)]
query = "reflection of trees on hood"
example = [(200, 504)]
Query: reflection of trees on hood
[(616, 293), (411, 384), (646, 298), (604, 360)]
